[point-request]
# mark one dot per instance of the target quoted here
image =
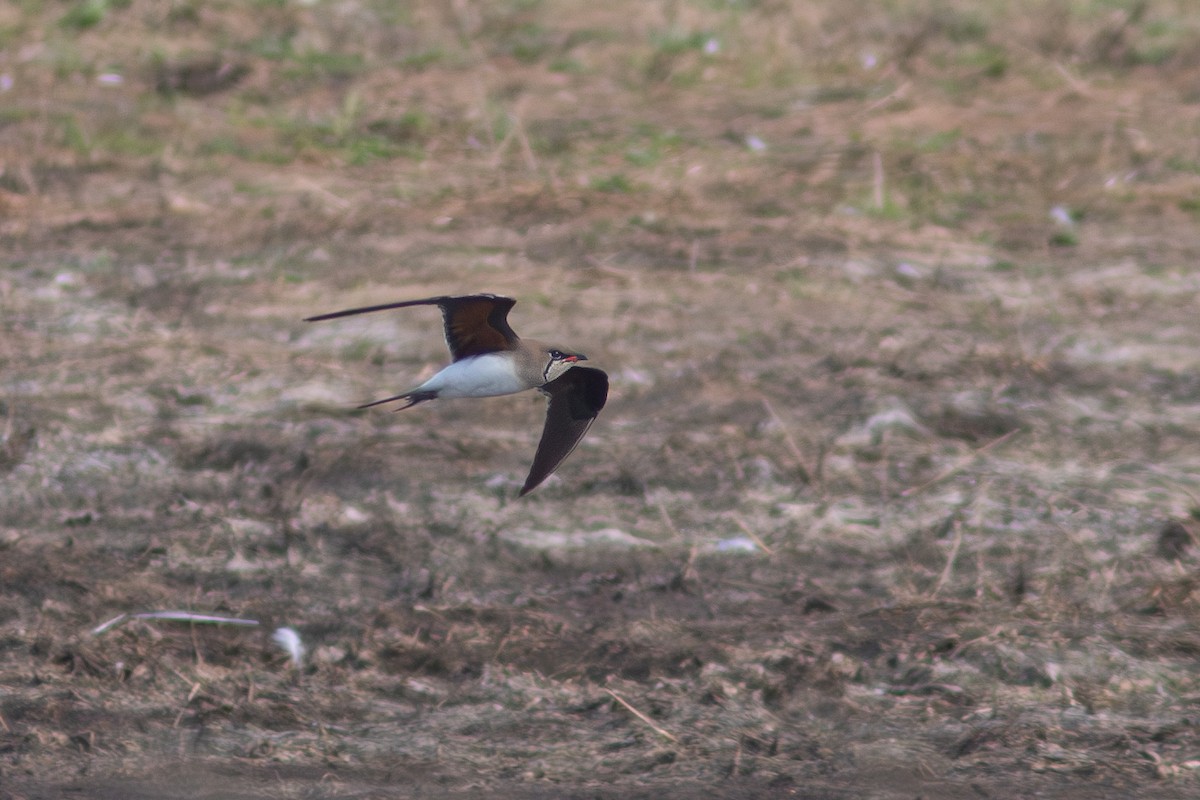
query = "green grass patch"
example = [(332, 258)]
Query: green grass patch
[(1190, 205), (1064, 238), (84, 14), (127, 141), (363, 149), (359, 350), (963, 25), (584, 36), (72, 134), (649, 144), (423, 59), (768, 209), (889, 209), (226, 144), (674, 41), (527, 43), (617, 183), (230, 144), (272, 45), (567, 65), (839, 93), (677, 56), (557, 137), (937, 142), (990, 60), (411, 126), (343, 134), (316, 63), (13, 115)]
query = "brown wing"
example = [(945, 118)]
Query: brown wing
[(576, 398), (475, 324)]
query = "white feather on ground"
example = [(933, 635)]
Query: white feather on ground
[(289, 640)]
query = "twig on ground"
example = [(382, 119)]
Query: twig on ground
[(312, 186), (653, 726), (523, 140), (667, 520), (960, 464), (898, 94), (879, 190), (948, 570), (741, 523), (173, 616), (788, 440)]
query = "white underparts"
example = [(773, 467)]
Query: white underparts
[(487, 375)]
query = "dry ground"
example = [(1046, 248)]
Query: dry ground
[(895, 495)]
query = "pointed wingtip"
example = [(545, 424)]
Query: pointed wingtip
[(576, 398)]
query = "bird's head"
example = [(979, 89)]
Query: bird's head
[(559, 361)]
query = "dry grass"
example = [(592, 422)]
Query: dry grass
[(896, 494)]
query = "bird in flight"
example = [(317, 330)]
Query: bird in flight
[(489, 359)]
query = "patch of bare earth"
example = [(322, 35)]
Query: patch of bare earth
[(895, 495)]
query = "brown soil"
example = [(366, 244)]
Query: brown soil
[(895, 494)]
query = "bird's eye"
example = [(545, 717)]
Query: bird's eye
[(557, 355)]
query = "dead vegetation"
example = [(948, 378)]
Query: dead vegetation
[(895, 495)]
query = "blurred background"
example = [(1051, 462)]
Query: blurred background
[(896, 488)]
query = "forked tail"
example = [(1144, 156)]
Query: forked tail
[(412, 397)]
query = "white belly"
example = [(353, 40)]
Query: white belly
[(487, 375)]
